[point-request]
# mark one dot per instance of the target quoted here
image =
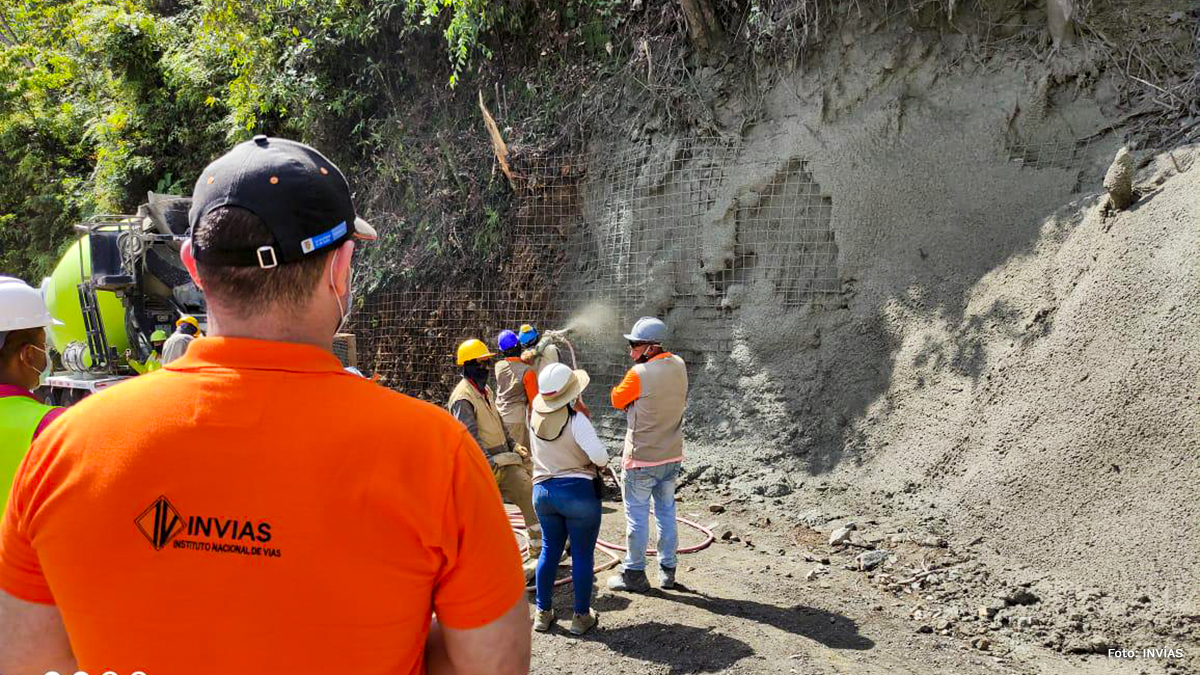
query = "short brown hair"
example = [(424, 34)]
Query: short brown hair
[(251, 290)]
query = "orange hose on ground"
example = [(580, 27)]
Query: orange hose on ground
[(708, 540), (518, 524)]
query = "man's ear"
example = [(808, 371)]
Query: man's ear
[(340, 263), (189, 261)]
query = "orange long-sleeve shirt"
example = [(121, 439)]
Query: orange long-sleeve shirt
[(627, 391), (529, 379), (630, 387)]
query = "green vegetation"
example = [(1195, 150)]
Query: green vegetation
[(102, 100)]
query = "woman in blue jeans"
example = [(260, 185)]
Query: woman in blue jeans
[(567, 456)]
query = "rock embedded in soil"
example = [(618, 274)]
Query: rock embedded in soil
[(1118, 182), (1096, 644), (1019, 596), (842, 534), (869, 560)]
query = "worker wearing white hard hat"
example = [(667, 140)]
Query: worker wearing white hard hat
[(24, 365)]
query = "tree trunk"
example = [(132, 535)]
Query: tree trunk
[(702, 24)]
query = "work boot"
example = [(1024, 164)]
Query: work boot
[(666, 576), (632, 581), (582, 623), (543, 620)]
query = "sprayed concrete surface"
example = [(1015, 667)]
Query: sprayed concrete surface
[(1004, 361)]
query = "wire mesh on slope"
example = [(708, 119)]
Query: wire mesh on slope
[(688, 230)]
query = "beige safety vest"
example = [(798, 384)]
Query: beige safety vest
[(511, 399), (544, 357), (655, 431), (487, 418), (559, 455)]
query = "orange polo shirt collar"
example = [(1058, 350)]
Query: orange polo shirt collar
[(251, 354)]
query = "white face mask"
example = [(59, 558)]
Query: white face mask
[(344, 306), (46, 369)]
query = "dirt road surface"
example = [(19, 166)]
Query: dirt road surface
[(747, 607)]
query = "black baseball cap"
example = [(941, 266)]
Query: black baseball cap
[(299, 194)]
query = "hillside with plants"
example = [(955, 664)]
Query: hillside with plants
[(103, 101), (932, 264)]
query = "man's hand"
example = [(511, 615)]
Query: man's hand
[(506, 459), (582, 407), (33, 640), (528, 356)]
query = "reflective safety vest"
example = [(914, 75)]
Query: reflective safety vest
[(153, 363), (19, 419)]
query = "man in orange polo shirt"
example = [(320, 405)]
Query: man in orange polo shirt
[(284, 516)]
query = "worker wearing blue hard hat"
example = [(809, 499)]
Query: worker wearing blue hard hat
[(538, 353), (516, 386)]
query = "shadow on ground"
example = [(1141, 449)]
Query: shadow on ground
[(828, 628), (684, 649)]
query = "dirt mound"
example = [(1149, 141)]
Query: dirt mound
[(1076, 443), (1058, 416), (1004, 357)]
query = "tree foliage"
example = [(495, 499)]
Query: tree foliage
[(102, 100)]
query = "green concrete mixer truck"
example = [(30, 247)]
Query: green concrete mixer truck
[(120, 282)]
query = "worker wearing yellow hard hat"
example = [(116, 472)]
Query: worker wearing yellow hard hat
[(472, 350), (473, 403), (187, 328), (189, 320)]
